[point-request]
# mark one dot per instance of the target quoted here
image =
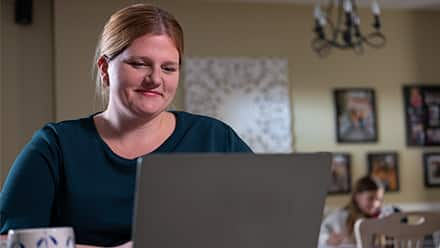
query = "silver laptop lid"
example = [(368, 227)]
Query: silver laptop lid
[(230, 200)]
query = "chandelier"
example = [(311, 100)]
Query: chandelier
[(344, 32)]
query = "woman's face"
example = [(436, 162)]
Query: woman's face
[(143, 79), (370, 202)]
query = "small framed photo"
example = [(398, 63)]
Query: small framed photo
[(340, 174), (431, 166), (422, 114), (356, 119), (385, 167)]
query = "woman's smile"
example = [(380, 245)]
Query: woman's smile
[(149, 92)]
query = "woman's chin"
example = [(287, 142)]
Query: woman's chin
[(150, 111)]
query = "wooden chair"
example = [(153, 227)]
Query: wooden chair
[(405, 229)]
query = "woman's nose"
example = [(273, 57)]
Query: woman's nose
[(154, 76)]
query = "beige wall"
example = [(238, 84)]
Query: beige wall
[(258, 30), (27, 95)]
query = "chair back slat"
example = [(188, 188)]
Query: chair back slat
[(406, 229)]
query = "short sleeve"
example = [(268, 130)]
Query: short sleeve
[(28, 193)]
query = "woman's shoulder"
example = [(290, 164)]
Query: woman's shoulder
[(204, 125), (71, 127), (189, 119), (209, 133), (193, 116)]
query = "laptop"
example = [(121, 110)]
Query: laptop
[(237, 200)]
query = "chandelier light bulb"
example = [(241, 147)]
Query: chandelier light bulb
[(375, 7), (317, 12), (319, 16), (348, 6)]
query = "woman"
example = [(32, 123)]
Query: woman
[(366, 202), (81, 173)]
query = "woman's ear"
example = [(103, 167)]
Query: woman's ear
[(102, 65)]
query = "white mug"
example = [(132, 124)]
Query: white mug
[(50, 237), (3, 243)]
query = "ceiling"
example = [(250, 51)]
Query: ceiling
[(393, 4)]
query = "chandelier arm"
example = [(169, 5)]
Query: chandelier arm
[(334, 43), (342, 46), (330, 23), (332, 29), (359, 49), (321, 47), (317, 43), (377, 35)]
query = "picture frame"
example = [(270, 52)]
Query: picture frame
[(356, 119), (340, 174), (431, 169), (385, 167), (263, 118), (422, 114)]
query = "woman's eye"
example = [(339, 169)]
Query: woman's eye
[(169, 69), (137, 64)]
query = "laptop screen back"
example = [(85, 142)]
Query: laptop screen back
[(230, 200)]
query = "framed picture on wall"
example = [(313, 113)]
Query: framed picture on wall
[(340, 174), (385, 167), (431, 168), (422, 114), (355, 115)]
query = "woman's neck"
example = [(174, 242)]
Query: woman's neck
[(132, 136), (123, 125)]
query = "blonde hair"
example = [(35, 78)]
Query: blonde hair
[(128, 24)]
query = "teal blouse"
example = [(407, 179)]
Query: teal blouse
[(67, 176)]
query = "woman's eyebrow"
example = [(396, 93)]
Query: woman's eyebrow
[(145, 58)]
